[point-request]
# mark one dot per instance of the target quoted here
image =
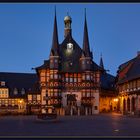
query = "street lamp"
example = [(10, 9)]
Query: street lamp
[(115, 100), (116, 103), (20, 101)]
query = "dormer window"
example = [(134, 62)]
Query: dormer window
[(22, 91), (55, 60), (88, 77), (15, 91), (83, 62), (2, 83), (51, 76), (55, 76)]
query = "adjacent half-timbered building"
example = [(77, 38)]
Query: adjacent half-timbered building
[(14, 90), (129, 86)]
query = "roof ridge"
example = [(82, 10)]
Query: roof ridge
[(134, 62), (127, 61)]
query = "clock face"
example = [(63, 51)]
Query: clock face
[(69, 46)]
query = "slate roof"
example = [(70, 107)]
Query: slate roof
[(68, 59), (129, 70), (74, 57), (44, 66), (107, 81), (19, 81)]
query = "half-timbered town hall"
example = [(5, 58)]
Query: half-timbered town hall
[(70, 80)]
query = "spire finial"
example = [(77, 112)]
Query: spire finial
[(86, 47), (55, 43), (101, 55), (85, 12), (55, 10)]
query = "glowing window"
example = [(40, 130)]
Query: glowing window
[(88, 77), (71, 79), (55, 76)]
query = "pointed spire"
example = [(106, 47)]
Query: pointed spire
[(86, 48), (55, 43), (101, 62)]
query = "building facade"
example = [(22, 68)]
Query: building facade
[(14, 91), (70, 80), (129, 86)]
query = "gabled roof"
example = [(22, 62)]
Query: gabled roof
[(129, 70), (19, 81), (70, 62), (44, 66)]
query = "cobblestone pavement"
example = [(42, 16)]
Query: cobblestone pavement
[(96, 125)]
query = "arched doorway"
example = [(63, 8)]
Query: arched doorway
[(71, 105), (124, 106), (133, 104), (128, 104)]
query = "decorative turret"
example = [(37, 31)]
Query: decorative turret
[(54, 54), (55, 43), (86, 58), (86, 48), (67, 22), (101, 63)]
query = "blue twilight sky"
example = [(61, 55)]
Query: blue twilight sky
[(26, 33)]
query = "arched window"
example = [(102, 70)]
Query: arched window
[(55, 76), (88, 77), (83, 94), (15, 91), (83, 77), (22, 91)]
